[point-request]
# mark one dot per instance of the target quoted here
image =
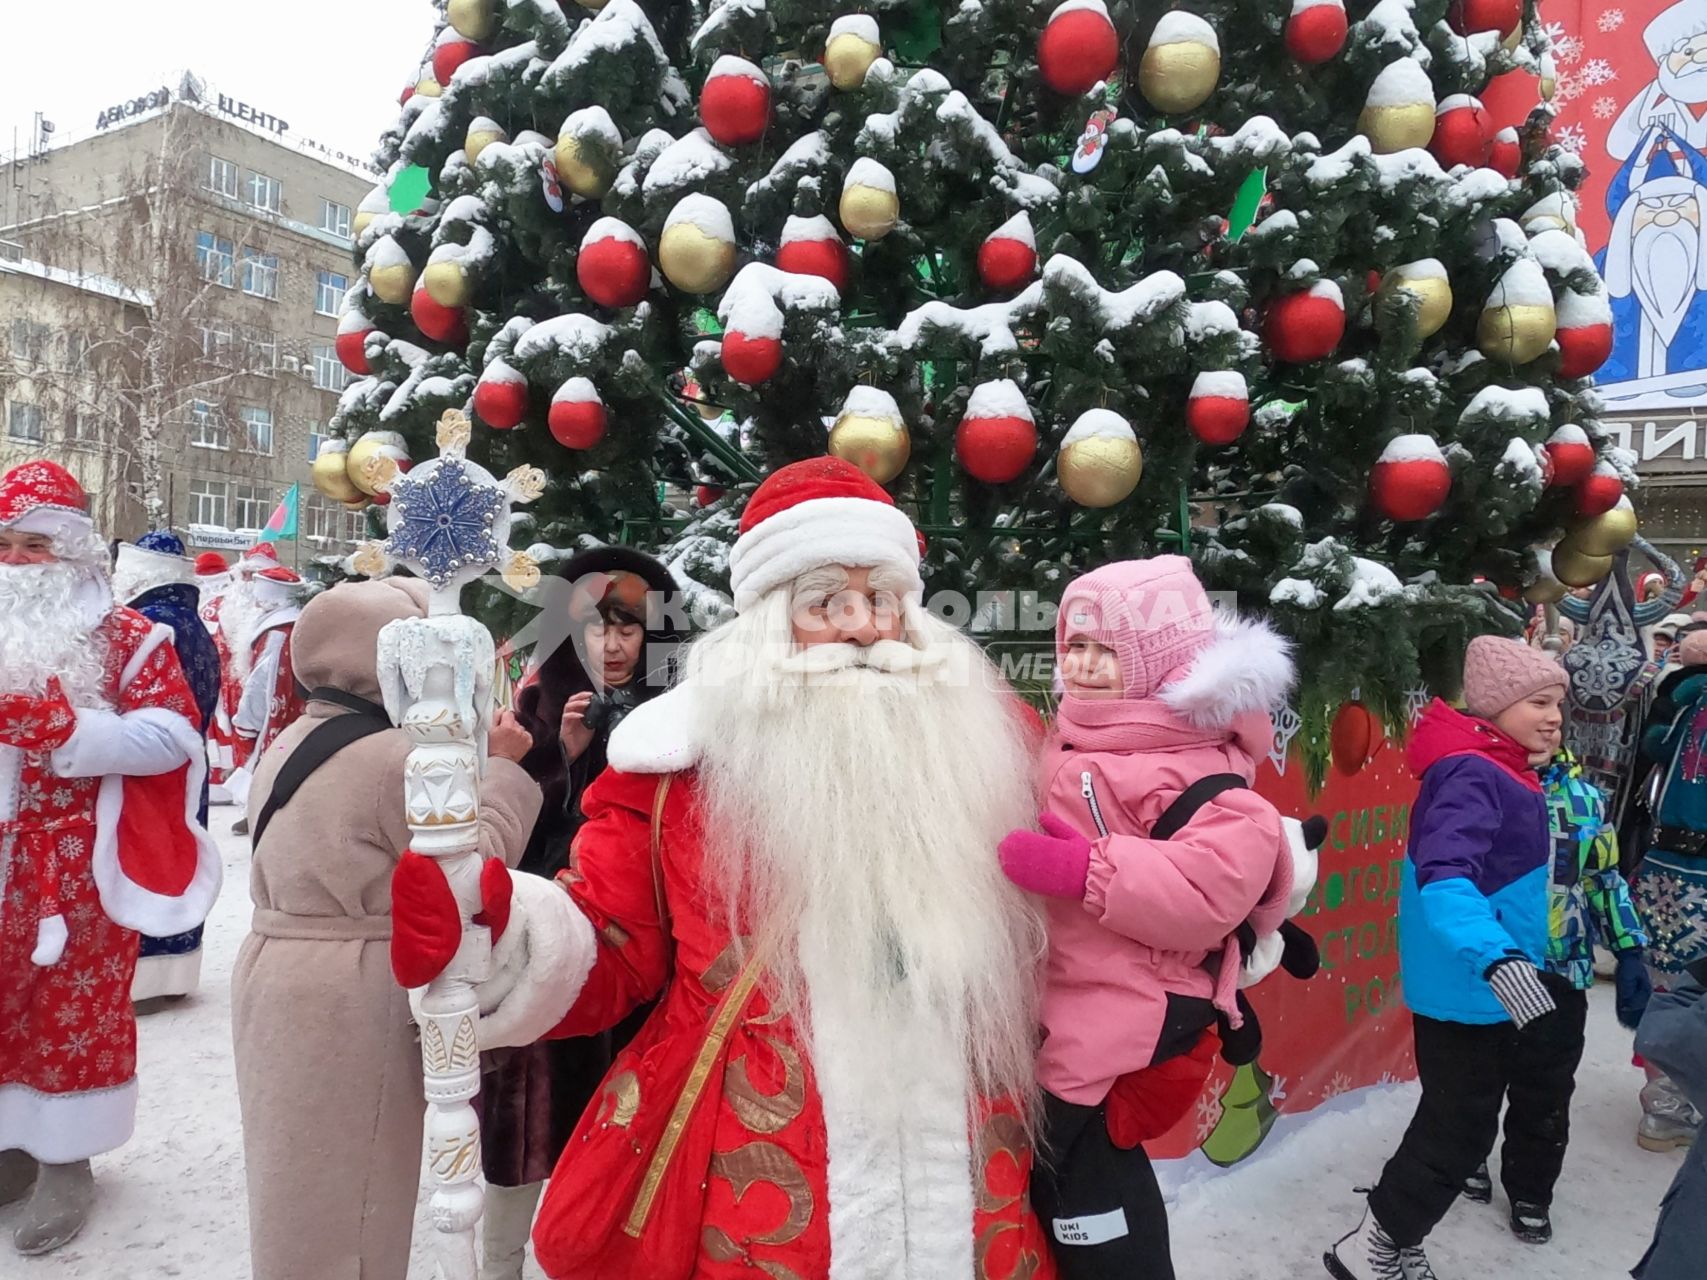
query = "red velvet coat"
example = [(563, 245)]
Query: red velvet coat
[(710, 1157)]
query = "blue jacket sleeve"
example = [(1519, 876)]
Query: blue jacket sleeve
[(1449, 847), (1673, 1037)]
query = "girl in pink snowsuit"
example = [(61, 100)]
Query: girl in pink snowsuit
[(1160, 694)]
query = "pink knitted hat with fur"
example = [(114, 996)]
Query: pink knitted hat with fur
[(1153, 613), (1499, 673)]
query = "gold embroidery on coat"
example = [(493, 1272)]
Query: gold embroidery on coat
[(767, 1162), (623, 1091), (1001, 1134), (767, 1113)]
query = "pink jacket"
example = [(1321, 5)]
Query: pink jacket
[(1155, 912)]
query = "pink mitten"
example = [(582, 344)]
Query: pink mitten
[(1055, 864)]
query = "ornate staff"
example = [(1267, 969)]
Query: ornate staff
[(448, 522)]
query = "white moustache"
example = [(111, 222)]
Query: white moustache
[(887, 657)]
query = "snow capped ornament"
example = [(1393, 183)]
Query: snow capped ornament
[(578, 419), (813, 247), (706, 494), (374, 459), (1219, 406), (450, 51), (448, 325), (351, 342), (1315, 30), (1182, 63), (588, 152), (1598, 492), (1576, 568), (997, 436), (1410, 480), (1506, 154), (1608, 533), (1467, 17), (870, 433), (427, 87), (1544, 586), (869, 207), (1305, 325), (854, 44), (375, 204), (1548, 77), (1572, 453), (1099, 462), (697, 249), (1584, 332), (476, 20), (390, 273), (501, 396), (1518, 321), (1463, 132), (483, 131), (1008, 257), (1555, 211), (1426, 279), (445, 279), (1078, 47), (1399, 111), (332, 475), (735, 105), (612, 267)]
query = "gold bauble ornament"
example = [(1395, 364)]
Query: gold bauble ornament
[(1512, 39), (361, 222), (332, 476), (1606, 534), (427, 87), (372, 460), (1179, 76), (870, 213), (482, 134), (1545, 590), (878, 446), (1100, 461), (393, 283), (1516, 334), (447, 283), (1397, 128), (848, 57), (1576, 568), (473, 19), (693, 261), (1433, 292), (579, 169)]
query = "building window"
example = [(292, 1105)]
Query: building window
[(260, 273), (24, 422), (207, 502), (329, 289), (249, 509), (216, 340), (207, 426), (215, 257), (30, 343), (355, 525), (264, 192), (260, 351), (319, 519), (221, 177), (77, 344), (83, 431), (335, 217), (329, 371), (257, 429), (316, 437)]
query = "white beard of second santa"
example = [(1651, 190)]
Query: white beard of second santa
[(50, 618), (239, 613), (854, 801)]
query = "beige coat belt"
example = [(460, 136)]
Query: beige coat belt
[(282, 924)]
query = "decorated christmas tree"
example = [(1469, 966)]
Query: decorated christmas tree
[(1077, 281)]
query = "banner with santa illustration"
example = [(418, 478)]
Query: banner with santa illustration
[(1631, 95)]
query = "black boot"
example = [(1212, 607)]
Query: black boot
[(1530, 1223), (1479, 1187)]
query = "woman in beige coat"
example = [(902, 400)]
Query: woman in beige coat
[(328, 1066)]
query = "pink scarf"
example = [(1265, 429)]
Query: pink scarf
[(1149, 724)]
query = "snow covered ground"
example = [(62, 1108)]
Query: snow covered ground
[(172, 1201)]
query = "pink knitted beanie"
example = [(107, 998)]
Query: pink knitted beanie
[(1153, 613), (1498, 673), (1692, 649)]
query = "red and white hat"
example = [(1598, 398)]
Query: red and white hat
[(259, 558), (210, 564), (278, 586), (814, 513), (43, 497)]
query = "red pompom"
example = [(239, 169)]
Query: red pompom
[(1463, 132), (1077, 49), (1598, 492), (1316, 33), (449, 56), (448, 325), (751, 360), (1306, 325), (501, 397), (612, 267), (735, 104), (426, 927), (352, 351)]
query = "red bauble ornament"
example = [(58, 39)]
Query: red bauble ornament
[(1584, 334), (1467, 17), (1219, 406), (448, 325), (1306, 325), (1572, 455), (1315, 30), (1506, 154), (501, 397), (735, 104), (578, 419), (351, 346), (450, 55), (751, 360), (812, 247), (1008, 257), (1354, 738), (997, 437), (613, 268), (408, 92), (706, 494), (1410, 480), (1079, 46), (1598, 492), (1463, 132)]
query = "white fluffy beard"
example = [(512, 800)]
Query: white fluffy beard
[(854, 800), (239, 613), (1691, 86), (50, 625)]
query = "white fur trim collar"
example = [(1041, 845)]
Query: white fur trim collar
[(660, 736), (1247, 667)]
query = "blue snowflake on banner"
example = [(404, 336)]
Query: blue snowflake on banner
[(443, 521)]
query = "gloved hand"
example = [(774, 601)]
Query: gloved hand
[(1301, 958), (37, 724), (1055, 864), (426, 927), (1242, 1047), (1633, 988), (1518, 987), (1146, 1104)]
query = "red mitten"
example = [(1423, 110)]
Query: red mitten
[(1144, 1105), (426, 927), (495, 892), (37, 724)]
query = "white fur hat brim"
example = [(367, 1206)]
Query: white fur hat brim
[(856, 532)]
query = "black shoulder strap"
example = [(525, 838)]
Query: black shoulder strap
[(1193, 798), (318, 746)]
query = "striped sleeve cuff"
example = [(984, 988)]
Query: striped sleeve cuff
[(1517, 986)]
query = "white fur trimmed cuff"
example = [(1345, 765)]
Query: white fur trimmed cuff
[(540, 964)]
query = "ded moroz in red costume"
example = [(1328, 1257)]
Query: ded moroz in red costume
[(271, 700)]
